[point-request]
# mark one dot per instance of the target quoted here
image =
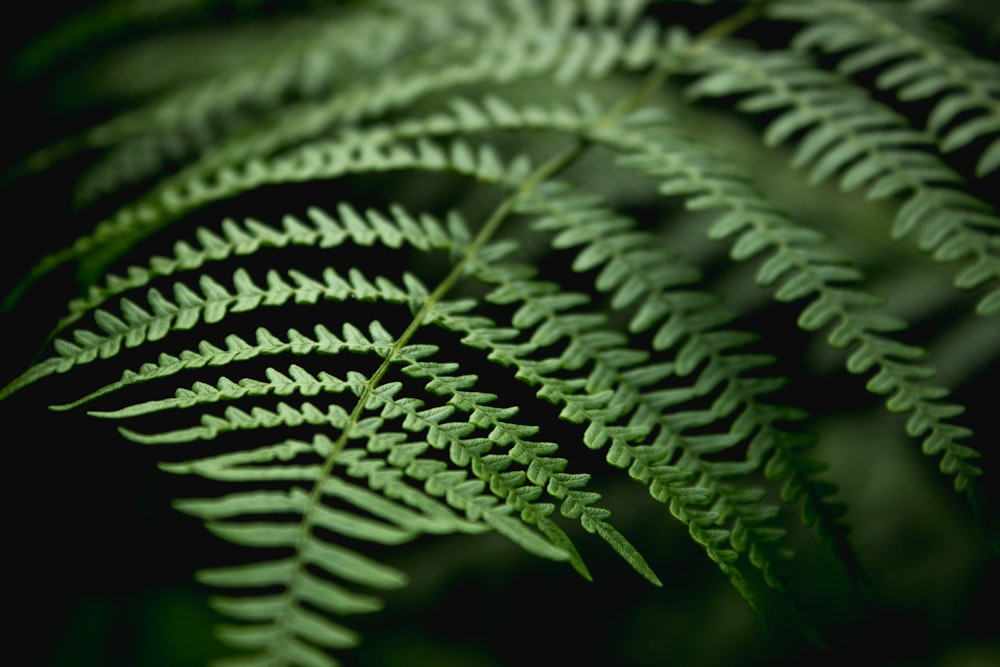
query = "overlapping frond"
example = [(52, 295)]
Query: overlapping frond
[(302, 60), (915, 60), (657, 288), (541, 257), (537, 43), (209, 304), (324, 75), (841, 131), (314, 162), (392, 148), (285, 625), (604, 398), (804, 265), (393, 229), (399, 453)]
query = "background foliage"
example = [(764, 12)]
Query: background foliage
[(97, 568)]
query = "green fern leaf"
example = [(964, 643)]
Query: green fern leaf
[(376, 273)]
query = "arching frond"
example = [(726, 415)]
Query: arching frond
[(320, 229), (915, 61), (845, 132), (807, 266), (368, 274)]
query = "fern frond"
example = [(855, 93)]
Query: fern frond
[(303, 61), (641, 275), (912, 59), (323, 341), (405, 145), (284, 624), (299, 381), (280, 615), (682, 167), (495, 44), (383, 484), (316, 161), (616, 386), (490, 199), (874, 148), (592, 401), (258, 161), (286, 627), (808, 266), (318, 229), (634, 264), (138, 325), (356, 151)]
